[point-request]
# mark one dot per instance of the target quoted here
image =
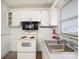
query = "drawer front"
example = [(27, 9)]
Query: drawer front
[(26, 56)]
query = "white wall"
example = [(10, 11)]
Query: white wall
[(15, 34), (43, 34), (4, 19), (5, 33)]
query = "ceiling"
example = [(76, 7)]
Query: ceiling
[(28, 3)]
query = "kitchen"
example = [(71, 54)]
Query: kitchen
[(40, 26)]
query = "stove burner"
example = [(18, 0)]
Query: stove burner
[(32, 37), (23, 37)]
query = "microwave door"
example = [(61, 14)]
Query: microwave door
[(32, 26), (26, 26)]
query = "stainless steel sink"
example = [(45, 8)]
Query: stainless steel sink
[(60, 48), (53, 46)]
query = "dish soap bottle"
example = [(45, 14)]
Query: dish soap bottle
[(54, 35)]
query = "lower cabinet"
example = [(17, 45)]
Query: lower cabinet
[(44, 55), (26, 55), (65, 55), (44, 52), (57, 55)]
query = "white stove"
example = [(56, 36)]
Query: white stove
[(27, 46)]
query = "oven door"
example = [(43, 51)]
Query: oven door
[(26, 46)]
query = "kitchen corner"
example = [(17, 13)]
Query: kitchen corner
[(39, 29)]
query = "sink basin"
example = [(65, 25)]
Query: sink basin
[(53, 46), (60, 48)]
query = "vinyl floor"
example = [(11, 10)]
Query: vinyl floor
[(13, 55)]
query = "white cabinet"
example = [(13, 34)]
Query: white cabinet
[(33, 15), (57, 55), (26, 55), (16, 18), (54, 17), (65, 55), (29, 16), (44, 18), (44, 52), (20, 15)]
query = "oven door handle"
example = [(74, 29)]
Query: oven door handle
[(26, 44)]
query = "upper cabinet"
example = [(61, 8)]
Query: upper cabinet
[(54, 17), (30, 16), (13, 18), (17, 16), (44, 18)]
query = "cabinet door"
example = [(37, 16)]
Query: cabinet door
[(24, 16), (34, 15), (30, 15), (15, 22), (26, 55), (44, 18), (64, 56), (44, 52), (16, 18), (54, 18)]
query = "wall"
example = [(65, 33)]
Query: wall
[(4, 27), (5, 33), (43, 33)]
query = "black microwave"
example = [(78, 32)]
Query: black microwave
[(30, 25)]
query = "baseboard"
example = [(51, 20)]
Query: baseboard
[(39, 51)]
